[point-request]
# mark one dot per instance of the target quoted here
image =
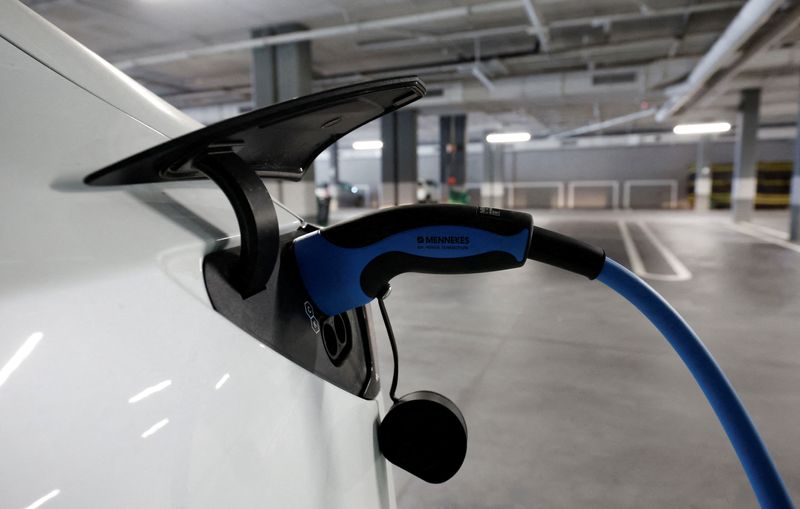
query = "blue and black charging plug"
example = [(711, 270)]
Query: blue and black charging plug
[(350, 264)]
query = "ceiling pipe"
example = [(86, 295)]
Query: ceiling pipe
[(749, 19), (452, 72), (476, 70), (466, 35), (411, 20), (520, 90), (722, 81), (482, 77), (537, 24), (423, 40), (322, 33), (463, 68), (611, 122), (599, 21)]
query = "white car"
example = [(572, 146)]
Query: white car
[(133, 370)]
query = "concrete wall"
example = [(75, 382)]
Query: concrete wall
[(616, 163), (613, 163)]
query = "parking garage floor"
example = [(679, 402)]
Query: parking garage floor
[(573, 400)]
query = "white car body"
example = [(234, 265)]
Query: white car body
[(120, 386)]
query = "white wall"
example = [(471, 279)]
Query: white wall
[(612, 163)]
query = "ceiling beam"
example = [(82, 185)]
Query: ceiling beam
[(465, 68), (427, 40), (541, 30), (611, 122), (518, 90), (322, 33)]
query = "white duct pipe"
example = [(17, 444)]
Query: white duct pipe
[(322, 33), (750, 18), (756, 56), (640, 16)]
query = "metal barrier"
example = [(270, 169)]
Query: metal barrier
[(505, 194), (612, 184), (629, 184), (557, 185)]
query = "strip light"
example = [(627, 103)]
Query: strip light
[(368, 145), (507, 137), (708, 128)]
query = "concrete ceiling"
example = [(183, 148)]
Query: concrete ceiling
[(575, 62)]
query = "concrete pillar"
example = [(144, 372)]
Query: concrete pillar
[(334, 154), (399, 158), (745, 161), (280, 73), (702, 176), (452, 152), (794, 210), (493, 174)]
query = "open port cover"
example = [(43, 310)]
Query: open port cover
[(279, 141)]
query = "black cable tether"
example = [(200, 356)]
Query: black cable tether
[(392, 342)]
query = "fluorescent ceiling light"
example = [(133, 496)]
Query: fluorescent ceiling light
[(709, 128), (508, 137), (368, 145)]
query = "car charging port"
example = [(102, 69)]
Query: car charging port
[(337, 338)]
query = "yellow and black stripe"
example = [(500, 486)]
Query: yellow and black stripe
[(773, 185)]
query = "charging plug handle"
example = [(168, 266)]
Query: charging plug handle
[(349, 264)]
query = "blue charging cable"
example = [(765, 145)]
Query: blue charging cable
[(764, 477)]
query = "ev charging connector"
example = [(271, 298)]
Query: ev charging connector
[(349, 264)]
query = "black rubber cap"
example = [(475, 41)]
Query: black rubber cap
[(425, 434)]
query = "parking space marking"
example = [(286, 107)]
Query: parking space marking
[(680, 272), (747, 229), (769, 231), (637, 265)]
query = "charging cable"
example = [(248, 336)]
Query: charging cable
[(761, 472), (392, 342)]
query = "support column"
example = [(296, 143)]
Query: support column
[(334, 154), (702, 176), (493, 174), (280, 73), (743, 192), (794, 207), (399, 158), (452, 153)]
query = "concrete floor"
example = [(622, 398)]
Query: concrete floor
[(573, 400)]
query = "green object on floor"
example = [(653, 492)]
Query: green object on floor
[(457, 196)]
